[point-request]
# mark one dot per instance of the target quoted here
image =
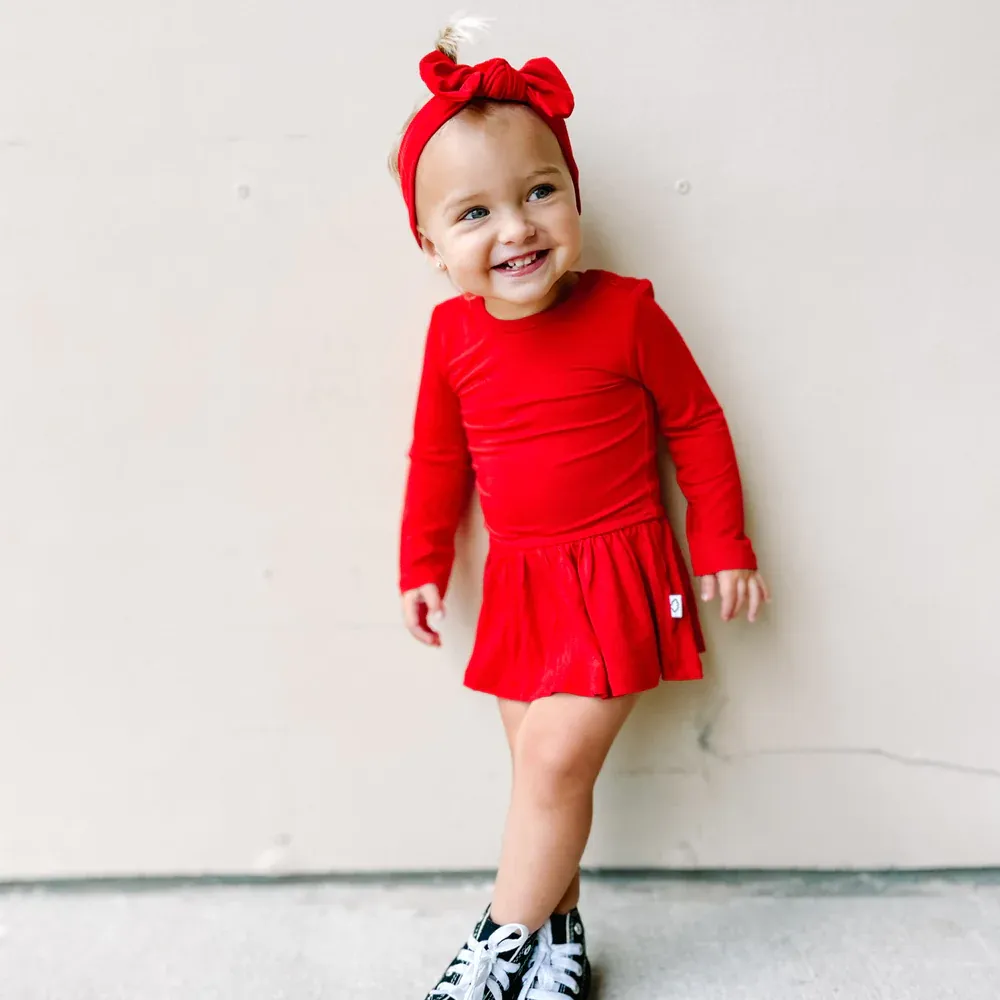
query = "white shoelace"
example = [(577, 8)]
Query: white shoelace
[(553, 965), (481, 966)]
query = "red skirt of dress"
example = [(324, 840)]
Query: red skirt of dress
[(597, 617)]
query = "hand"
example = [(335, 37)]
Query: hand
[(420, 606), (736, 587)]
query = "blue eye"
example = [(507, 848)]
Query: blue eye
[(543, 191), (472, 216)]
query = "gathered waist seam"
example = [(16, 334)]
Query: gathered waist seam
[(569, 538)]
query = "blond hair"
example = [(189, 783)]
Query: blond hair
[(459, 29)]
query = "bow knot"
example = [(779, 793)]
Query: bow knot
[(538, 83)]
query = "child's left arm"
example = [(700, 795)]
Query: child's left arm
[(701, 447)]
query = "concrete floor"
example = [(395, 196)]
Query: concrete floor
[(855, 938)]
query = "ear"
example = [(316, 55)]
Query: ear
[(431, 252)]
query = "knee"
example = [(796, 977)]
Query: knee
[(553, 766)]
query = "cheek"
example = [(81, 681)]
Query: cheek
[(472, 250), (570, 226), (562, 223), (574, 244)]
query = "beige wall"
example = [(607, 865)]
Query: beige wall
[(210, 324)]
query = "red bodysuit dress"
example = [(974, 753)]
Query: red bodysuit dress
[(555, 419)]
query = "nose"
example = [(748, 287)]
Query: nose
[(515, 227)]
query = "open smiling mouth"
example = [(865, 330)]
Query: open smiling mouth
[(525, 264)]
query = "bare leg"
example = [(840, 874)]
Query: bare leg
[(512, 714), (571, 898), (559, 748)]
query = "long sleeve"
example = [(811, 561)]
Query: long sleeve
[(699, 441), (440, 477)]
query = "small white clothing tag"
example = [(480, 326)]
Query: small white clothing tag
[(676, 605)]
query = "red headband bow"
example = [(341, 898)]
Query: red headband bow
[(538, 84)]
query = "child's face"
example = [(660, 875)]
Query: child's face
[(495, 187)]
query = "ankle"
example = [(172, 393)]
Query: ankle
[(490, 923)]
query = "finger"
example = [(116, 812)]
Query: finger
[(410, 617), (431, 612), (422, 631), (756, 598), (727, 587), (431, 597), (708, 588), (425, 636), (415, 619), (434, 610), (765, 589), (741, 596)]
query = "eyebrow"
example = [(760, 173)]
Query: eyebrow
[(542, 171), (453, 203)]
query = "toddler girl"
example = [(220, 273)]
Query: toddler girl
[(546, 389)]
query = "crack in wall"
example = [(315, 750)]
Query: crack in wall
[(906, 760), (706, 743)]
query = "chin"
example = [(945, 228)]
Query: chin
[(528, 289)]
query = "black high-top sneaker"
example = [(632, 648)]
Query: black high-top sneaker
[(490, 966), (560, 967)]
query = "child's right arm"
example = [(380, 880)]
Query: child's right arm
[(437, 492)]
